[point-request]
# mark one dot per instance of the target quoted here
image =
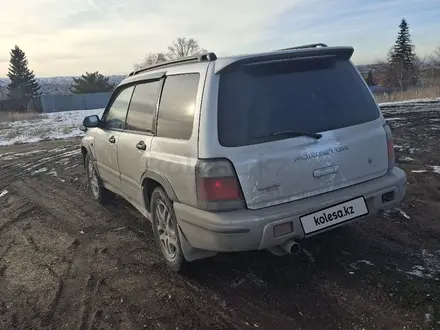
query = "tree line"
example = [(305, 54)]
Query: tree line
[(402, 69), (23, 87)]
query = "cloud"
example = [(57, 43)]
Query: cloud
[(70, 37)]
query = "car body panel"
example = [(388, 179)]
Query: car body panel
[(133, 163), (281, 180)]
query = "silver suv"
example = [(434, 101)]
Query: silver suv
[(245, 152)]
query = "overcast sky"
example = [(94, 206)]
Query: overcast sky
[(69, 37)]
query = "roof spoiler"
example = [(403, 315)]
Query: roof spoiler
[(344, 53)]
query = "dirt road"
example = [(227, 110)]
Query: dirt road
[(69, 263)]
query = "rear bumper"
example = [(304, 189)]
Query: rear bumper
[(245, 230)]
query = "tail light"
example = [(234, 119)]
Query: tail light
[(217, 185), (390, 146)]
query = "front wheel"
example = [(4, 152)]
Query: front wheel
[(99, 193), (165, 230)]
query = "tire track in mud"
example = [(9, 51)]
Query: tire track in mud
[(69, 211), (15, 165), (224, 284), (15, 223)]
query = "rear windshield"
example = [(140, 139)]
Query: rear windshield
[(311, 96)]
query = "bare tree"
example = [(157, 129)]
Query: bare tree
[(417, 71), (150, 59), (434, 66), (398, 75), (382, 72), (435, 57), (183, 47)]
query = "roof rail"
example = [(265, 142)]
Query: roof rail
[(205, 57), (305, 46)]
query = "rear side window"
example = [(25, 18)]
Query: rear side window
[(143, 106), (115, 117), (311, 96), (177, 106)]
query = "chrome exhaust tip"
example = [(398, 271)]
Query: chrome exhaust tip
[(291, 247)]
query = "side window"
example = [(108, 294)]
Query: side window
[(115, 117), (143, 106), (177, 106)]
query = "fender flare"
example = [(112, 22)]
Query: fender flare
[(88, 150), (163, 181)]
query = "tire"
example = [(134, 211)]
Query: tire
[(94, 185), (165, 230)]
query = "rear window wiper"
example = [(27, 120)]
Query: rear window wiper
[(289, 133)]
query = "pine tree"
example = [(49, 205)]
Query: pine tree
[(403, 49), (91, 83), (23, 83), (402, 58)]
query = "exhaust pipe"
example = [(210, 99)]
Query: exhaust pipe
[(291, 247)]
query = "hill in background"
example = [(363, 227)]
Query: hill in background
[(61, 85), (56, 85)]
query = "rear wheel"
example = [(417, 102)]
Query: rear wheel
[(95, 188), (166, 230)]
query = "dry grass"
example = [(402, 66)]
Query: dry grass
[(412, 94), (10, 116)]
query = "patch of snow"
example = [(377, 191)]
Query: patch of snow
[(58, 149), (250, 278), (404, 214), (419, 171), (52, 172), (427, 317), (40, 170), (12, 155), (56, 125), (430, 269), (435, 169), (434, 100), (72, 166), (309, 255), (407, 159), (70, 153), (355, 264), (394, 118), (418, 271), (4, 193)]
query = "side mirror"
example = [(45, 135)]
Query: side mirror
[(91, 121)]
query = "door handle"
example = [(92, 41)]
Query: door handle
[(112, 139), (141, 145)]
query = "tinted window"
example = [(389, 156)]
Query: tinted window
[(177, 106), (143, 106), (305, 95), (115, 117)]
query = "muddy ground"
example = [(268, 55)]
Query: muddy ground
[(68, 263)]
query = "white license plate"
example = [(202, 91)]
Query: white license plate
[(333, 215)]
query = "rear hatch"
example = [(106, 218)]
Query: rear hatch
[(264, 106)]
